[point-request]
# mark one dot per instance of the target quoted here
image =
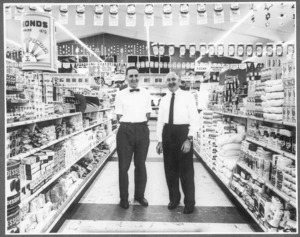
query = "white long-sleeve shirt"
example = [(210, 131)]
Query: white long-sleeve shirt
[(185, 112), (133, 106)]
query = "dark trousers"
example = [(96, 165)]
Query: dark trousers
[(177, 164), (132, 140)]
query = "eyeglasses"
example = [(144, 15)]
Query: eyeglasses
[(171, 79), (133, 75)]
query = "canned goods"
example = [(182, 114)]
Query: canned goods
[(13, 220), (13, 184)]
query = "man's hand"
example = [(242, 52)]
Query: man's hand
[(186, 146), (159, 149)]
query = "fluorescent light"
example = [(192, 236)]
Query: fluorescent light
[(14, 43), (237, 24)]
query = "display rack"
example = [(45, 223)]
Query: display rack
[(56, 176), (237, 198), (76, 195), (269, 185)]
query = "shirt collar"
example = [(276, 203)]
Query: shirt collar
[(178, 91)]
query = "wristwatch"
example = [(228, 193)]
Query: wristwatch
[(190, 138)]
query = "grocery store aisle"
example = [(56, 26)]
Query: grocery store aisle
[(98, 211)]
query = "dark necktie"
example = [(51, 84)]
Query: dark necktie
[(132, 90), (171, 113)]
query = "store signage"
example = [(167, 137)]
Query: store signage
[(211, 49), (155, 48), (240, 50), (114, 15), (192, 50), (167, 19), (217, 67), (32, 8), (98, 15), (149, 16), (80, 15), (8, 14), (279, 50), (290, 49), (234, 12), (63, 14), (249, 50), (131, 16), (19, 12), (39, 42), (218, 13), (184, 17), (259, 50), (220, 50), (231, 50), (269, 50), (202, 14), (48, 9), (171, 49), (182, 50), (188, 78), (161, 49), (202, 49)]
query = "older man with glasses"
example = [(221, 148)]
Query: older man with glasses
[(176, 125), (133, 108)]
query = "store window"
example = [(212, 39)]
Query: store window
[(146, 80)]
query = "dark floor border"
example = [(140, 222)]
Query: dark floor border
[(244, 213)]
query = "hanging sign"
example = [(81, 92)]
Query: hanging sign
[(114, 15), (218, 13), (161, 49), (259, 49), (290, 49), (131, 16), (240, 50), (167, 18), (234, 12), (155, 48), (149, 16), (47, 9), (220, 50), (32, 8), (39, 42), (182, 50), (269, 50), (171, 49), (8, 12), (202, 14), (192, 50), (188, 65), (184, 17), (63, 14), (170, 65), (211, 49), (202, 49), (249, 50), (231, 50), (178, 65), (98, 15), (174, 65), (80, 15), (19, 12), (183, 65), (279, 50)]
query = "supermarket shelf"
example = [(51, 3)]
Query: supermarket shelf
[(75, 196), (97, 110), (287, 154), (26, 122), (31, 152), (269, 185), (256, 118), (237, 198), (56, 176)]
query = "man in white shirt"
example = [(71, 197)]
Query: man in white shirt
[(133, 108), (176, 125)]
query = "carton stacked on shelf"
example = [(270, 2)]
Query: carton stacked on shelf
[(229, 146), (288, 76)]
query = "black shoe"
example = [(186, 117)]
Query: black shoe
[(173, 205), (188, 210), (142, 201), (124, 204)]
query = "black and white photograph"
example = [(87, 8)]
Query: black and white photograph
[(149, 118)]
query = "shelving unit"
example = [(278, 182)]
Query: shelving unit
[(256, 118), (237, 198), (56, 176), (269, 185), (287, 154)]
